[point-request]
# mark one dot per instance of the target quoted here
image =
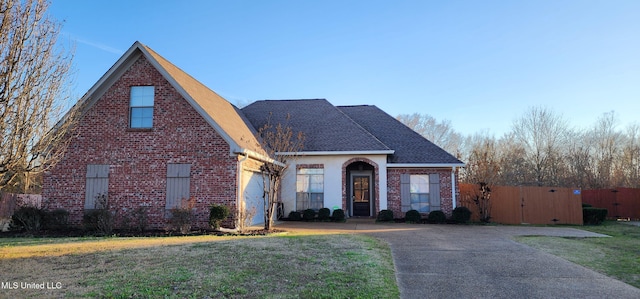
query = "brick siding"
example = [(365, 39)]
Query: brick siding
[(138, 157), (394, 200)]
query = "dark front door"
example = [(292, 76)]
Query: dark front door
[(361, 195)]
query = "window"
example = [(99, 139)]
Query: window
[(97, 185), (419, 188), (141, 107), (310, 189), (178, 184), (420, 192)]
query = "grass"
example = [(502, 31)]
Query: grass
[(301, 266), (617, 256)]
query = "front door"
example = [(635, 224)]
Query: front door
[(361, 195)]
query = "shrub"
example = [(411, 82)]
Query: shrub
[(217, 213), (309, 215), (324, 214), (98, 220), (57, 219), (295, 216), (385, 216), (593, 215), (436, 217), (180, 219), (28, 218), (412, 216), (586, 205), (338, 215), (461, 215)]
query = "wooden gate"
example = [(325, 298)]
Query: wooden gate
[(530, 205)]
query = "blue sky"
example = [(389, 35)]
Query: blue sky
[(479, 64)]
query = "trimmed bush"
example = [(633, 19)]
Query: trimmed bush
[(295, 216), (324, 214), (98, 220), (28, 218), (56, 219), (412, 216), (385, 216), (217, 213), (436, 217), (593, 215), (338, 215), (461, 215), (309, 215), (586, 205)]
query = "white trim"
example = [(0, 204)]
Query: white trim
[(337, 153), (425, 165)]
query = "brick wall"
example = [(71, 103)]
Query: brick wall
[(394, 200), (138, 158)]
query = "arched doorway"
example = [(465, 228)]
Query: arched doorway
[(360, 186)]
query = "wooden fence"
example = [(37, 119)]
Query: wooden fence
[(9, 202), (531, 205), (620, 202)]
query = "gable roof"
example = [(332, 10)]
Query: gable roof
[(218, 112), (409, 146), (325, 127)]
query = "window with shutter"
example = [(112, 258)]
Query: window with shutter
[(97, 184), (178, 184), (420, 192)]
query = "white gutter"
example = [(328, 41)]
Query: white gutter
[(336, 153), (239, 171), (453, 187), (258, 156), (423, 165)]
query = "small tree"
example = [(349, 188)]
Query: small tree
[(282, 144), (483, 202)]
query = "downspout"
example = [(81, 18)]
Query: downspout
[(239, 189), (453, 187)]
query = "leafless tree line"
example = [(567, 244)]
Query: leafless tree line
[(34, 78), (542, 149)]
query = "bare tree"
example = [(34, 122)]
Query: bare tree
[(483, 169), (630, 157), (579, 172), (543, 135), (605, 141), (34, 73), (282, 144), (440, 133)]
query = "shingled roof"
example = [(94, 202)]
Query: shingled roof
[(409, 146), (325, 127), (328, 128)]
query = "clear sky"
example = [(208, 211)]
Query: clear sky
[(479, 64)]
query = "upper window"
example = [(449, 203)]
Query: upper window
[(310, 189), (141, 107), (420, 193)]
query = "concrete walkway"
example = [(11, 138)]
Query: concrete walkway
[(468, 261)]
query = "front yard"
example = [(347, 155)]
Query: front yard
[(319, 266), (617, 257)]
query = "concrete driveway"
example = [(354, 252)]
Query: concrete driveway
[(468, 261)]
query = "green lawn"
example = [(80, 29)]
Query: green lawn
[(317, 266), (617, 256)]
